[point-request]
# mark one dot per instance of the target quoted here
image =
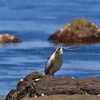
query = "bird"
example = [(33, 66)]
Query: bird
[(54, 62)]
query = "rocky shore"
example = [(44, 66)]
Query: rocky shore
[(81, 31), (36, 85)]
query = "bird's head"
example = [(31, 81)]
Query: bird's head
[(59, 51)]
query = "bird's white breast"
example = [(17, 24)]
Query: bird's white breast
[(57, 64)]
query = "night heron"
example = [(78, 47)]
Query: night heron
[(54, 62)]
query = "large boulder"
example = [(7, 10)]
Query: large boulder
[(79, 31), (7, 38), (35, 85)]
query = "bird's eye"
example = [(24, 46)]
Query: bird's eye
[(58, 50)]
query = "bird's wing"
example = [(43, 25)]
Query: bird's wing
[(49, 65)]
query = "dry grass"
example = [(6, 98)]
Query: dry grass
[(2, 99), (66, 97)]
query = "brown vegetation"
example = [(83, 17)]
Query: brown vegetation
[(79, 31)]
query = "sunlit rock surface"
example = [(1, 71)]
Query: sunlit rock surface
[(7, 38), (79, 31)]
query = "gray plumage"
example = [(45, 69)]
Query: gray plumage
[(54, 62)]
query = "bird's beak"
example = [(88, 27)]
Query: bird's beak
[(69, 48), (59, 50)]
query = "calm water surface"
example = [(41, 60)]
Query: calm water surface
[(33, 21)]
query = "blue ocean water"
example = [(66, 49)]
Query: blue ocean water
[(33, 21)]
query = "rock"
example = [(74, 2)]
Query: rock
[(6, 38), (93, 89), (79, 31), (36, 85), (12, 95)]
